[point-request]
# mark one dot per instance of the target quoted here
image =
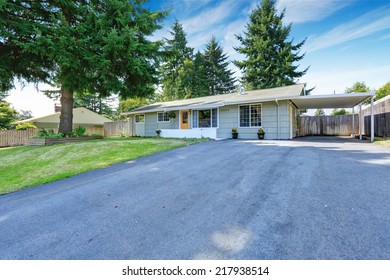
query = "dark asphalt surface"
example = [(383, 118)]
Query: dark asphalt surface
[(311, 198)]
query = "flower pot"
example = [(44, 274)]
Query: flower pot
[(260, 135), (235, 135)]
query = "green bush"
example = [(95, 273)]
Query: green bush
[(42, 133), (79, 131), (24, 126), (58, 135)]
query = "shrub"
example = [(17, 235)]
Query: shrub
[(24, 126), (58, 135), (79, 131), (42, 133)]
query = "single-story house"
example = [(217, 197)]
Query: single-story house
[(275, 110), (215, 116), (83, 117)]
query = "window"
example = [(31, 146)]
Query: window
[(250, 115), (205, 118), (162, 117), (139, 118)]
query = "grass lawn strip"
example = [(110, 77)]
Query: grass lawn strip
[(23, 167), (385, 142)]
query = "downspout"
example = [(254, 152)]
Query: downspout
[(277, 104)]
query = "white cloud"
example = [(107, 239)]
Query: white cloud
[(210, 17), (365, 25), (298, 11)]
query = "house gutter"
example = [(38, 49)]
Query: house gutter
[(277, 105)]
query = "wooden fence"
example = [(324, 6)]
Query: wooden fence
[(16, 137), (118, 128), (381, 118), (340, 125), (381, 124)]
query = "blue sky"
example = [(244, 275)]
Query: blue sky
[(347, 40)]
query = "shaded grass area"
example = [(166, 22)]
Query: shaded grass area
[(385, 142), (23, 167)]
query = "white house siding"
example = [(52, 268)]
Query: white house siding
[(229, 118), (151, 123)]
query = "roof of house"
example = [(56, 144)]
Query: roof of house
[(80, 116), (262, 95)]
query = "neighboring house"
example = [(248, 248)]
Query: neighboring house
[(81, 117), (214, 116)]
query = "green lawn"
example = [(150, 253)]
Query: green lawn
[(23, 167), (383, 141)]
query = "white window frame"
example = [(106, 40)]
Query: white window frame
[(250, 119), (139, 115), (211, 118), (163, 121)]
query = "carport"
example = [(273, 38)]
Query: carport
[(351, 100)]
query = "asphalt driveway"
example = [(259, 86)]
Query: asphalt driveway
[(304, 199)]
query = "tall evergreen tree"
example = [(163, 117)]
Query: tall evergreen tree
[(269, 57), (19, 21), (220, 78), (199, 81), (96, 46), (176, 52), (95, 103)]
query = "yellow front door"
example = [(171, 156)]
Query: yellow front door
[(184, 119)]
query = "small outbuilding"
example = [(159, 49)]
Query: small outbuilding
[(275, 111), (81, 117)]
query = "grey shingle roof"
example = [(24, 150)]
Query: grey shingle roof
[(280, 93)]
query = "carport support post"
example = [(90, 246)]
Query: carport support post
[(353, 122), (360, 121), (372, 118)]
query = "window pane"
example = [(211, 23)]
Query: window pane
[(256, 115), (195, 119), (184, 117), (163, 117), (214, 118), (204, 118), (244, 116)]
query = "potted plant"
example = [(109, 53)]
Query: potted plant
[(260, 133), (234, 133), (158, 132)]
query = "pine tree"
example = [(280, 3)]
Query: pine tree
[(96, 46), (220, 78), (199, 82), (7, 115), (269, 57), (95, 103), (173, 65)]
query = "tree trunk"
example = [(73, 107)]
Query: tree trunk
[(66, 117)]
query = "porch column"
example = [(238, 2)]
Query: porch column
[(353, 122), (372, 118), (360, 121)]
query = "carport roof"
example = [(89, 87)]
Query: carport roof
[(346, 100)]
